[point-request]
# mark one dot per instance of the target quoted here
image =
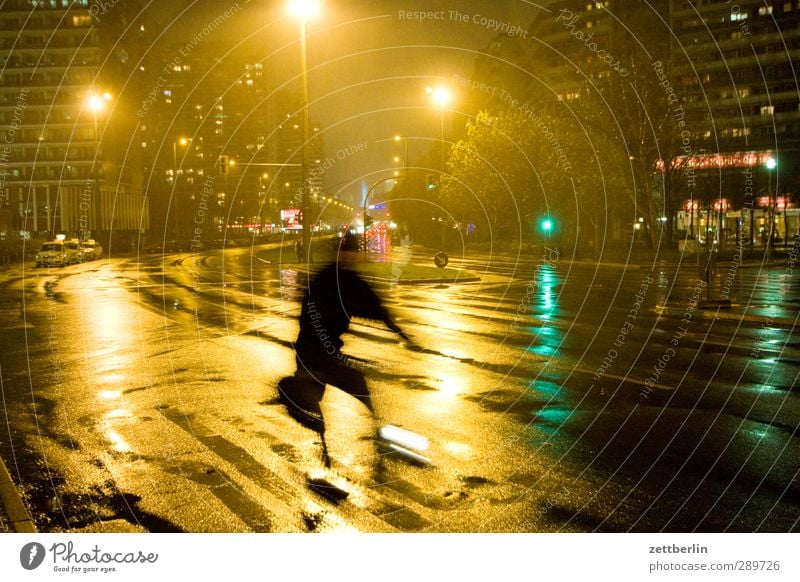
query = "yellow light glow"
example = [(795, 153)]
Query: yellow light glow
[(119, 443), (109, 394), (95, 103), (442, 96), (304, 8)]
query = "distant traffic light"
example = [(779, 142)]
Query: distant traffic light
[(546, 225)]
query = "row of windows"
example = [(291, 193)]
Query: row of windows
[(18, 60), (47, 39), (711, 54), (787, 129), (759, 110), (66, 96), (752, 75), (23, 5), (40, 116), (53, 172), (60, 78), (59, 135), (51, 154)]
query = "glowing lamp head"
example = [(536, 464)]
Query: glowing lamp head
[(441, 96), (95, 103), (771, 164), (304, 8), (547, 225)]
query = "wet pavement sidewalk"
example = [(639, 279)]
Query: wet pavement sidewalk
[(14, 516)]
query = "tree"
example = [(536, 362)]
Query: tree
[(491, 178)]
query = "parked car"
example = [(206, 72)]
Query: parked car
[(53, 253), (73, 250), (91, 250)]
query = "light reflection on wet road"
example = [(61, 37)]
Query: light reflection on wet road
[(142, 394)]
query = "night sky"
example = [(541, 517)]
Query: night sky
[(369, 65)]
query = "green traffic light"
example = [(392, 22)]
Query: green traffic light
[(547, 225)]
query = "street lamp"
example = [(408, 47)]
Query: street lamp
[(441, 97), (405, 156), (183, 142), (96, 104), (771, 164), (303, 10)]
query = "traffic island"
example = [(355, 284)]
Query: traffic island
[(382, 272)]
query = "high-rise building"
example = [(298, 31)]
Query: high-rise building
[(735, 64), (63, 167)]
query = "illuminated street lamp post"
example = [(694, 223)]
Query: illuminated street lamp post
[(771, 164), (96, 104), (183, 142), (405, 156), (441, 96), (305, 9)]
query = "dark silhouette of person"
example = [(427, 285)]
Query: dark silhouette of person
[(334, 295)]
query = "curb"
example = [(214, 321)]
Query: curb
[(12, 502)]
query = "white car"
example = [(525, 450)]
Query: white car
[(91, 250), (53, 253)]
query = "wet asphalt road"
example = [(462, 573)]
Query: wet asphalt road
[(139, 394)]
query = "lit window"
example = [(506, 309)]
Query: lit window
[(764, 10), (787, 6), (144, 144), (589, 24), (737, 16), (82, 20), (745, 92), (767, 110), (168, 92)]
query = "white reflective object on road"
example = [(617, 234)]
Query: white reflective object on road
[(402, 437)]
